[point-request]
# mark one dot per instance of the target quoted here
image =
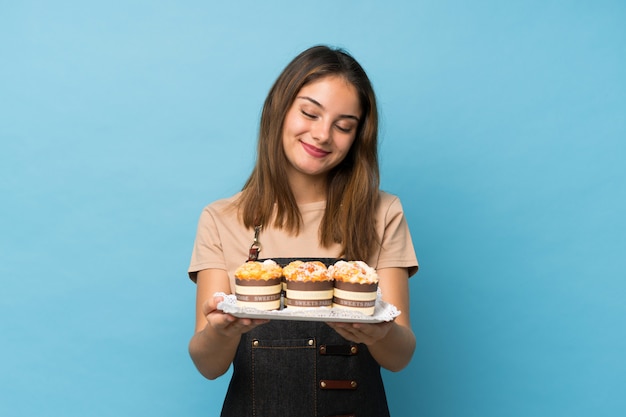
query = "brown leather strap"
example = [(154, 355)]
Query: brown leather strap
[(338, 384), (342, 350)]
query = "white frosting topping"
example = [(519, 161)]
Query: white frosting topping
[(354, 272)]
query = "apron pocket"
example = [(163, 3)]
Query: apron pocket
[(283, 370)]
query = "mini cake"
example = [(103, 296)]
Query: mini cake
[(308, 285), (356, 285), (259, 284)]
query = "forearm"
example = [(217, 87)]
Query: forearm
[(212, 348), (395, 350), (211, 353)]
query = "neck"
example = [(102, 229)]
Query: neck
[(307, 189)]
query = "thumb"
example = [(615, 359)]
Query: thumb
[(210, 305)]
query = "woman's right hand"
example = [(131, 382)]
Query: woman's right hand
[(225, 324), (217, 334)]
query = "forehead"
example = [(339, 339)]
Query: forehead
[(332, 93)]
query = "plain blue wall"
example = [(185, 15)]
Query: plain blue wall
[(503, 129)]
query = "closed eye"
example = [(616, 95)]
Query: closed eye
[(344, 129), (308, 115)]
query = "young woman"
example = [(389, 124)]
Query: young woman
[(314, 193)]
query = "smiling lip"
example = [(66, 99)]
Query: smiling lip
[(313, 151)]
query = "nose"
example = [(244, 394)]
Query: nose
[(321, 131)]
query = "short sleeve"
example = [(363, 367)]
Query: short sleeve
[(207, 249), (396, 244)]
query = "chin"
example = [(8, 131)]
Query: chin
[(314, 172)]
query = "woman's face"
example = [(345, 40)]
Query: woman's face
[(320, 126)]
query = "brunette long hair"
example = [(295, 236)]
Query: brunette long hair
[(352, 185)]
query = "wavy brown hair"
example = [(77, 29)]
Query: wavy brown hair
[(352, 192)]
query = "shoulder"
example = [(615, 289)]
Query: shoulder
[(389, 209), (388, 201), (223, 205), (222, 211)]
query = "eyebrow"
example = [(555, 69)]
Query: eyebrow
[(318, 104)]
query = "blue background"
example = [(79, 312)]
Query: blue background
[(503, 131)]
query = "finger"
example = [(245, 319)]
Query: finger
[(235, 326), (210, 304), (347, 334), (357, 332)]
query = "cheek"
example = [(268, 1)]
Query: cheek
[(297, 126), (345, 144), (293, 124)]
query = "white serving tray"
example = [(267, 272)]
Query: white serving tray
[(382, 312)]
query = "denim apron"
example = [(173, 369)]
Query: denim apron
[(303, 368)]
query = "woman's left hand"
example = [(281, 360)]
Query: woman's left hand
[(366, 333)]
